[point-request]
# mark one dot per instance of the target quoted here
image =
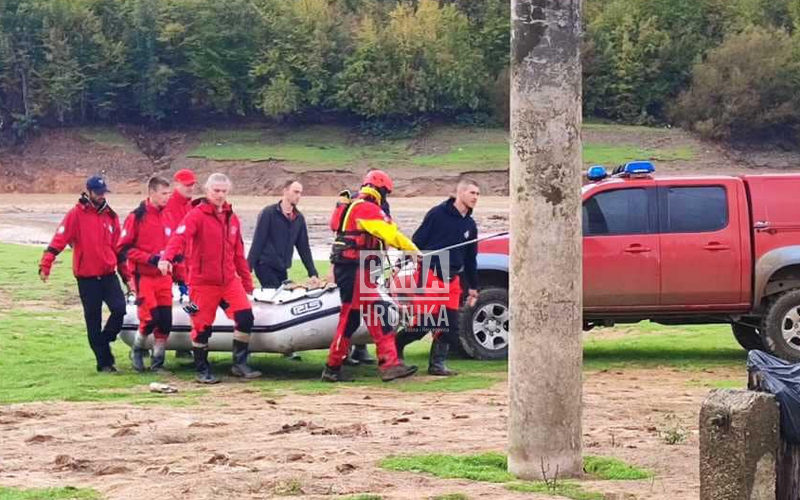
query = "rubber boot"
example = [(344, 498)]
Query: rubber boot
[(159, 356), (240, 368), (360, 354), (439, 349), (204, 375), (335, 374), (406, 336), (397, 371), (139, 350)]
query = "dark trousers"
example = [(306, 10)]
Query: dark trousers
[(93, 292), (269, 277)]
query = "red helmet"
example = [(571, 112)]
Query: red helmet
[(378, 179)]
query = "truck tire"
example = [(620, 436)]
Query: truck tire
[(484, 328), (781, 330), (748, 337)]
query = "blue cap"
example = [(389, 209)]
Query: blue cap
[(97, 185)]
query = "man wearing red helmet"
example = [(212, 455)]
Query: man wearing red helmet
[(362, 226)]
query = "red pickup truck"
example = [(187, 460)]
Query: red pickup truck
[(672, 250)]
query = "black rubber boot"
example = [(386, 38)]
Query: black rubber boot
[(204, 375), (397, 371), (159, 356), (331, 374), (436, 361), (240, 368), (360, 353), (406, 336)]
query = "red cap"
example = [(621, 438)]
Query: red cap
[(185, 177)]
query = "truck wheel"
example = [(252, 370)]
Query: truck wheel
[(484, 328), (748, 337), (781, 331)]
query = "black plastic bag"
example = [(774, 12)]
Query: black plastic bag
[(781, 379)]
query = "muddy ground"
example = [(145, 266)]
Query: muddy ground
[(241, 444), (58, 161), (33, 218)]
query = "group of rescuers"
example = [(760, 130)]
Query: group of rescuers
[(171, 238)]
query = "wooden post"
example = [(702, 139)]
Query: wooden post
[(545, 301)]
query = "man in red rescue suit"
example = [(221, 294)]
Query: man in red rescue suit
[(92, 228), (218, 274), (179, 204), (361, 226), (144, 237)]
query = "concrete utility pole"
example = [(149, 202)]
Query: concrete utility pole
[(545, 356)]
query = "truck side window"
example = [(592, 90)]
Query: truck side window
[(622, 211), (695, 209)]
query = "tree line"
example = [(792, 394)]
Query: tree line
[(725, 68)]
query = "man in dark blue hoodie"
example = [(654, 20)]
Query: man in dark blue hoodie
[(449, 223)]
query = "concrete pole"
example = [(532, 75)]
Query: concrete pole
[(545, 355)]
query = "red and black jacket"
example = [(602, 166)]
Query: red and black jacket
[(143, 239), (217, 255), (93, 232)]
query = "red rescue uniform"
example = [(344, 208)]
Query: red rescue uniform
[(93, 233), (177, 208), (364, 227), (217, 267), (144, 237)]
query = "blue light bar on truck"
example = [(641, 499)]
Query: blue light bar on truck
[(596, 173), (638, 168)]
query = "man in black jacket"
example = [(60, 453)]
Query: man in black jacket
[(449, 223), (280, 229)]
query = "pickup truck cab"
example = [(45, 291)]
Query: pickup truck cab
[(673, 250)]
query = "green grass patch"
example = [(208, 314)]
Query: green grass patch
[(68, 493), (566, 489), (485, 467), (363, 497), (457, 148), (493, 467), (613, 469), (106, 136), (451, 496), (19, 276), (611, 154), (45, 332), (647, 345), (310, 147), (718, 384)]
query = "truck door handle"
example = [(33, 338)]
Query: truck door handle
[(715, 247), (636, 248)]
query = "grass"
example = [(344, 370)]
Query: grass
[(43, 334), (566, 489), (310, 147), (493, 468), (647, 345), (613, 469), (487, 149), (363, 497), (106, 136), (451, 496), (68, 493)]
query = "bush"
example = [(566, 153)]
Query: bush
[(746, 88)]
